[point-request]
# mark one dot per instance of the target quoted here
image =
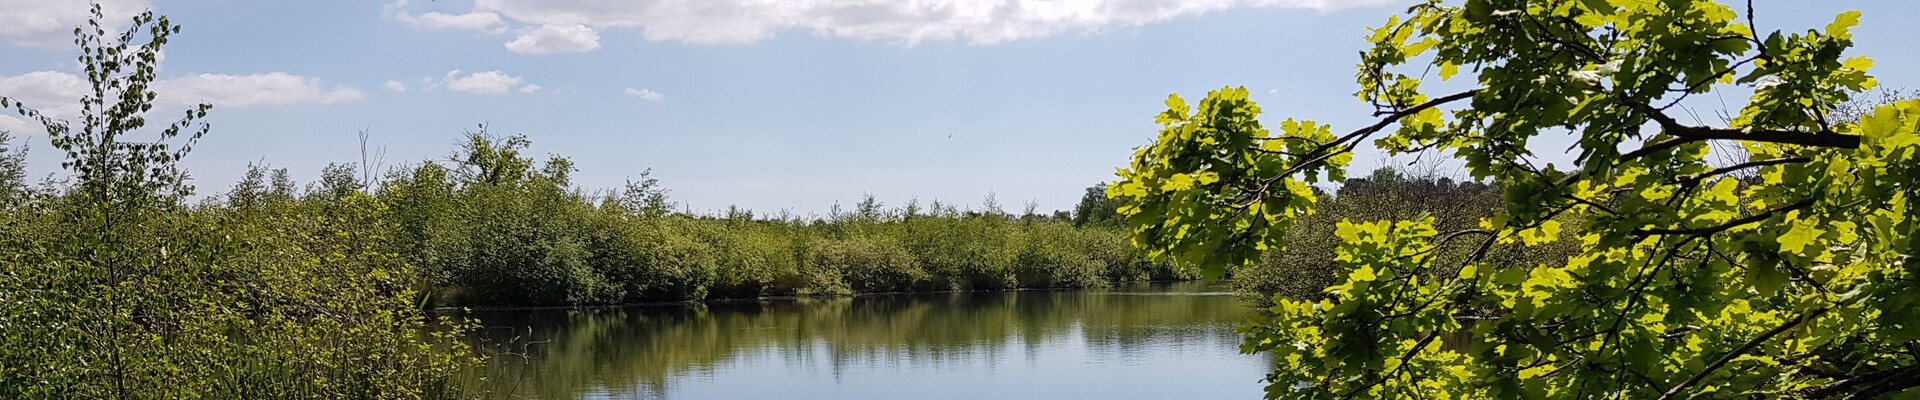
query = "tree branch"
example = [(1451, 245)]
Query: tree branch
[(1843, 385), (1817, 139), (1404, 359), (1729, 225), (1741, 166), (1346, 142), (1737, 351), (1324, 152)]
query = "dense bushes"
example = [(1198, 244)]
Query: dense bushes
[(282, 300), (493, 227)]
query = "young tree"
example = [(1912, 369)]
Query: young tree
[(13, 170), (337, 182), (1095, 208), (1687, 283), (112, 261), (646, 196), (484, 159), (870, 209), (250, 190)]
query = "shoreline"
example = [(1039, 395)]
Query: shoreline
[(437, 310)]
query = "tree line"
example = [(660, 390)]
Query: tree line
[(492, 226)]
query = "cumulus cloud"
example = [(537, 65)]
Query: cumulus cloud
[(905, 22), (646, 94), (394, 86), (54, 94), (550, 39), (57, 94), (268, 89), (42, 23), (16, 126), (477, 20), (486, 82)]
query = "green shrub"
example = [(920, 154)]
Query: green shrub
[(755, 260), (868, 264), (1049, 257)]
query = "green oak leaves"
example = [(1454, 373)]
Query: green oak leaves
[(1773, 256), (1217, 187)]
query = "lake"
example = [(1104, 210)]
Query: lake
[(1141, 341)]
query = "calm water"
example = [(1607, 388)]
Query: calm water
[(1156, 341)]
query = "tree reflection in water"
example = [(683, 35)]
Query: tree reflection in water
[(1142, 341)]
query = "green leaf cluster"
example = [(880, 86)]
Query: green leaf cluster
[(1772, 257)]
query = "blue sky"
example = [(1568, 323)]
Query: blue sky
[(767, 105)]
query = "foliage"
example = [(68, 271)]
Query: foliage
[(1305, 267), (495, 230), (1096, 209), (112, 288), (1687, 281), (13, 171)]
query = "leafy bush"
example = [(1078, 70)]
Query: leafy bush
[(494, 230), (867, 263)]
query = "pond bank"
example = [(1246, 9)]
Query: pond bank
[(742, 300)]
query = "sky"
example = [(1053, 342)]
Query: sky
[(769, 105)]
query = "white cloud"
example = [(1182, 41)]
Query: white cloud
[(43, 23), (549, 39), (268, 89), (905, 22), (481, 82), (477, 21), (393, 85), (57, 94), (16, 126), (646, 94), (54, 94), (530, 88)]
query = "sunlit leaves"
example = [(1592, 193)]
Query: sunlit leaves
[(1798, 236), (1547, 232), (1198, 197), (1786, 271), (1843, 24), (1382, 321)]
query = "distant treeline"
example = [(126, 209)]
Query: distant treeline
[(491, 227)]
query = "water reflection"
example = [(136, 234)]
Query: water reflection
[(1145, 341)]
